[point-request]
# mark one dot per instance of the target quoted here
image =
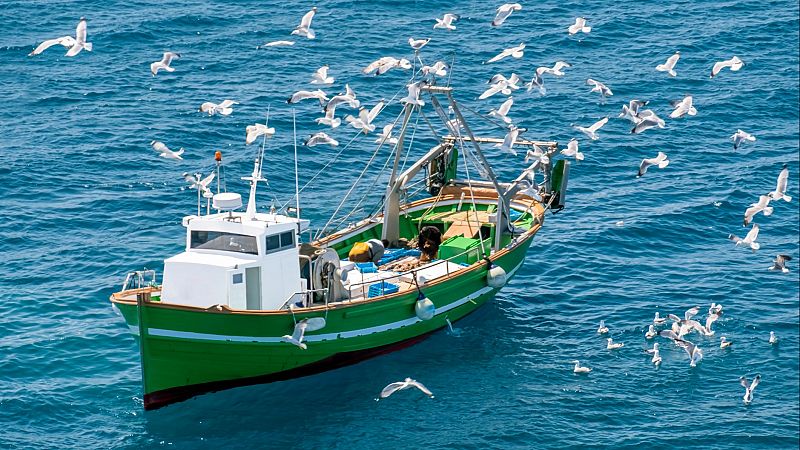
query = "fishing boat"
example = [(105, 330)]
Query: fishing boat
[(249, 301)]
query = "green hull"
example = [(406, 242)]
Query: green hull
[(186, 352)]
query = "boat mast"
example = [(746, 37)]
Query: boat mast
[(256, 176), (391, 206)]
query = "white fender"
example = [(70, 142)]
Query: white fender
[(496, 277), (425, 308)]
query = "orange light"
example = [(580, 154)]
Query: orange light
[(218, 156)]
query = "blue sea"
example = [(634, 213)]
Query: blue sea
[(85, 199)]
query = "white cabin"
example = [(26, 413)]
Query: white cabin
[(233, 260)]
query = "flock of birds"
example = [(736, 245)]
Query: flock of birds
[(677, 332), (634, 111)]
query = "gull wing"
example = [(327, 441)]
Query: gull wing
[(373, 113), (421, 387), (305, 22), (392, 388), (755, 382), (66, 41), (752, 234), (599, 124), (691, 312)]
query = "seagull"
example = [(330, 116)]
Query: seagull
[(384, 64), (599, 87), (749, 239), (165, 152), (502, 112), (645, 120), (348, 97), (165, 62), (321, 76), (304, 29), (611, 345), (715, 308), (537, 153), (297, 335), (602, 329), (508, 142), (321, 138), (500, 83), (555, 70), (572, 150), (80, 39), (438, 69), (579, 369), (514, 52), (329, 119), (386, 136), (446, 22), (365, 118), (670, 334), (685, 325), (305, 95), (709, 321), (772, 338), (651, 332), (683, 107), (694, 352), (503, 11), (400, 385), (259, 129), (537, 82), (579, 26), (780, 190), (652, 350), (741, 137), (224, 108), (755, 208), (734, 64), (780, 263), (413, 94), (591, 132), (631, 110), (658, 320), (660, 160), (748, 390), (417, 44), (277, 44), (724, 342), (669, 66), (74, 44), (197, 183), (656, 356)]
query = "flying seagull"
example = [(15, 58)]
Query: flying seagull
[(734, 64), (660, 160), (73, 44), (165, 62), (780, 190), (297, 335), (224, 108), (683, 107), (694, 352), (749, 239), (502, 112), (446, 22), (645, 120), (631, 110), (439, 69), (503, 11), (386, 136), (514, 52), (591, 132), (165, 152), (579, 26), (413, 94), (365, 117), (780, 263), (259, 129), (306, 95), (756, 208), (321, 138), (508, 142), (572, 150), (401, 385), (304, 29), (321, 77), (600, 88), (669, 65), (196, 183), (748, 390), (555, 70), (537, 82), (740, 137)]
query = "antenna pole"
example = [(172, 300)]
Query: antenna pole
[(296, 176), (256, 177)]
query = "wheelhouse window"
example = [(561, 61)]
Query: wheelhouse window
[(228, 242), (278, 242)]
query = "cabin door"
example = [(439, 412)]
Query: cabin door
[(253, 281)]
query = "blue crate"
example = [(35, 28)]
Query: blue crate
[(367, 267), (382, 288), (393, 254)]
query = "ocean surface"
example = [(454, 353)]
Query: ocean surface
[(85, 199)]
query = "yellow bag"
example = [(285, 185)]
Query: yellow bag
[(360, 253)]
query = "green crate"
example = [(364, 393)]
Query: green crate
[(467, 249)]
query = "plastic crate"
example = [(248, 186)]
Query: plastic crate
[(459, 249), (382, 288), (367, 267)]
